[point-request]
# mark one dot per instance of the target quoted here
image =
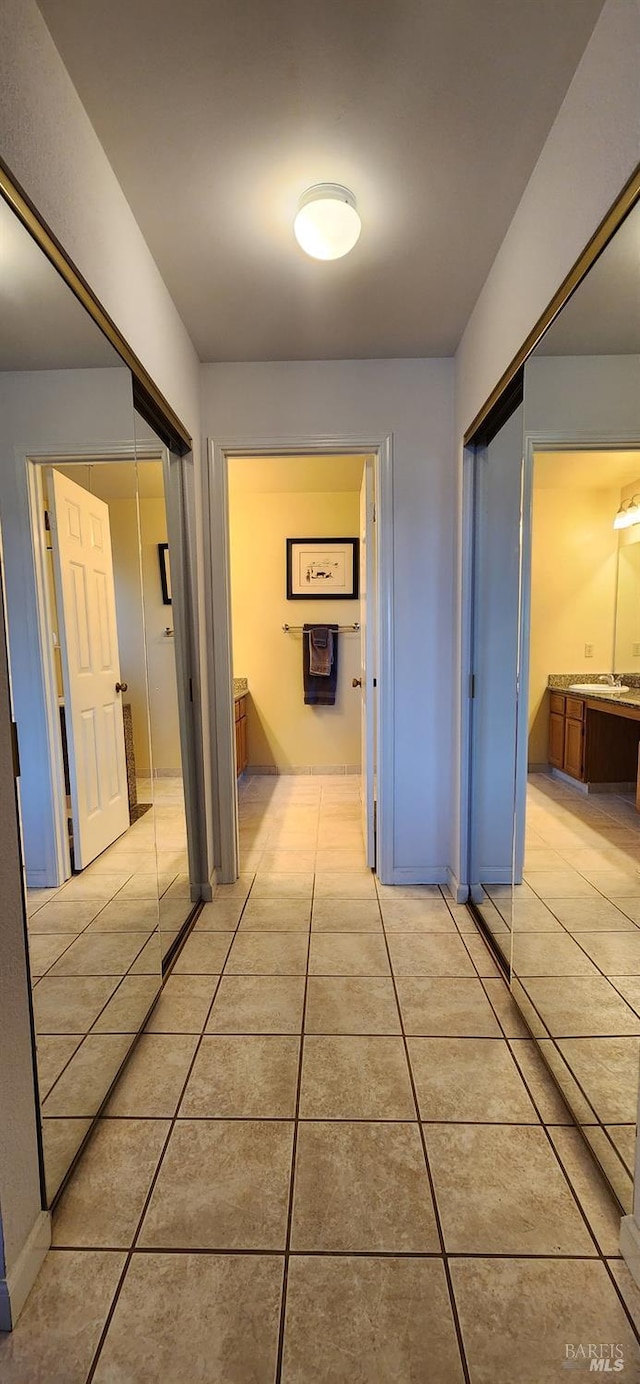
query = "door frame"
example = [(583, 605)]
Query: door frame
[(219, 635), (136, 450)]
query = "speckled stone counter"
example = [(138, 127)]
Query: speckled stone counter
[(561, 682), (240, 688)]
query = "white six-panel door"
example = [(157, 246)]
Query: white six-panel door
[(91, 666), (367, 659)]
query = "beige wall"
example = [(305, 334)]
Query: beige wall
[(282, 731), (573, 591)]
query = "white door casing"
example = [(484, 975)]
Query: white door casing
[(367, 659), (90, 666)]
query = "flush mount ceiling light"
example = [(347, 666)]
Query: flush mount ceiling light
[(628, 513), (327, 225)]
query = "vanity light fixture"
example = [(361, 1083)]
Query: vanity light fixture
[(628, 513), (327, 225)]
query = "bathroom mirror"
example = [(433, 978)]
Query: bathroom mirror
[(575, 941), (81, 584)]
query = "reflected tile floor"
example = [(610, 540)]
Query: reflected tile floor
[(335, 1156)]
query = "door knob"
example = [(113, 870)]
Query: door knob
[(121, 686), (356, 682)]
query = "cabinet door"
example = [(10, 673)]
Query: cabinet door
[(238, 747), (243, 745), (573, 748), (556, 740)]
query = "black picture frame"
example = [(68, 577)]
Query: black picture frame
[(333, 563), (165, 573)]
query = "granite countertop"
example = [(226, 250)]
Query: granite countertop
[(240, 688), (561, 682)]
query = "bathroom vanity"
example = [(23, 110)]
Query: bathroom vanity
[(240, 699), (594, 738)]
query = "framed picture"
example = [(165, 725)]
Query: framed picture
[(322, 569), (165, 572)]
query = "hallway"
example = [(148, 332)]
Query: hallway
[(333, 1156)]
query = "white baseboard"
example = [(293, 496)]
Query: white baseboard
[(630, 1246), (15, 1288), (426, 874), (459, 892)]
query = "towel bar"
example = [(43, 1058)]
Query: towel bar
[(299, 629)]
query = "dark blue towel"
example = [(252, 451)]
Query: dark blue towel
[(319, 691)]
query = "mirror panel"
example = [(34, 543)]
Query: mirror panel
[(75, 621)]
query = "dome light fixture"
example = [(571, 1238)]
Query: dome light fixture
[(327, 225)]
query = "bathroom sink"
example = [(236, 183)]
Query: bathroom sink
[(597, 689)]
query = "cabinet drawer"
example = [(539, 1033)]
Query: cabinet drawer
[(574, 707), (556, 703)]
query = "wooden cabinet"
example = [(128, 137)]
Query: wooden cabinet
[(241, 734), (566, 734)]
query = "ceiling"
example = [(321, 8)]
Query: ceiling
[(291, 474), (217, 115), (585, 470), (42, 325), (116, 480), (603, 316)]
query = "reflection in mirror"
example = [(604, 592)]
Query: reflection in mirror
[(75, 618), (576, 938), (169, 778)]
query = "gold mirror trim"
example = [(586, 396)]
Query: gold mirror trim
[(51, 247), (608, 226)]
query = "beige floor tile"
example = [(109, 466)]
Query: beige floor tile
[(126, 915), (596, 1200), (545, 1307), (394, 892), (532, 915), (362, 1188), (630, 907), (337, 861), (239, 890), (629, 988), (249, 1076), (589, 1006), (351, 1005), (61, 1139), (258, 1004), (575, 1099), (101, 954), (607, 1070), (102, 1203), (149, 962), (433, 1006), (282, 885), (420, 955), (469, 1079), (346, 915), (506, 1009), (276, 915), (88, 886), (543, 954), (36, 898), (481, 957), (369, 1321), (615, 953), (591, 915), (500, 1190), (84, 1083), (183, 1005), (355, 1078), (560, 884), (417, 915), (268, 953), (288, 861), (628, 1288), (219, 917), (616, 883), (146, 886), (223, 1184), (342, 884), (53, 1053), (204, 953), (544, 1091), (131, 1002), (612, 1165), (187, 1317), (46, 948), (59, 1329), (64, 917), (624, 1138), (348, 954), (152, 1082)]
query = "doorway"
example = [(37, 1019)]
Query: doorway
[(346, 739)]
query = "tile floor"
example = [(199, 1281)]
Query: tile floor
[(95, 949), (335, 1155), (575, 949)]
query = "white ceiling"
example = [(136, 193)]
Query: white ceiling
[(118, 480), (585, 470), (291, 474), (42, 325), (217, 115)]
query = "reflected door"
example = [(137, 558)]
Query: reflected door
[(495, 853), (367, 588), (90, 665)]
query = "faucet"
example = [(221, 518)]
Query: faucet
[(612, 679)]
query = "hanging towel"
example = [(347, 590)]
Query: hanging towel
[(319, 688), (320, 651)]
